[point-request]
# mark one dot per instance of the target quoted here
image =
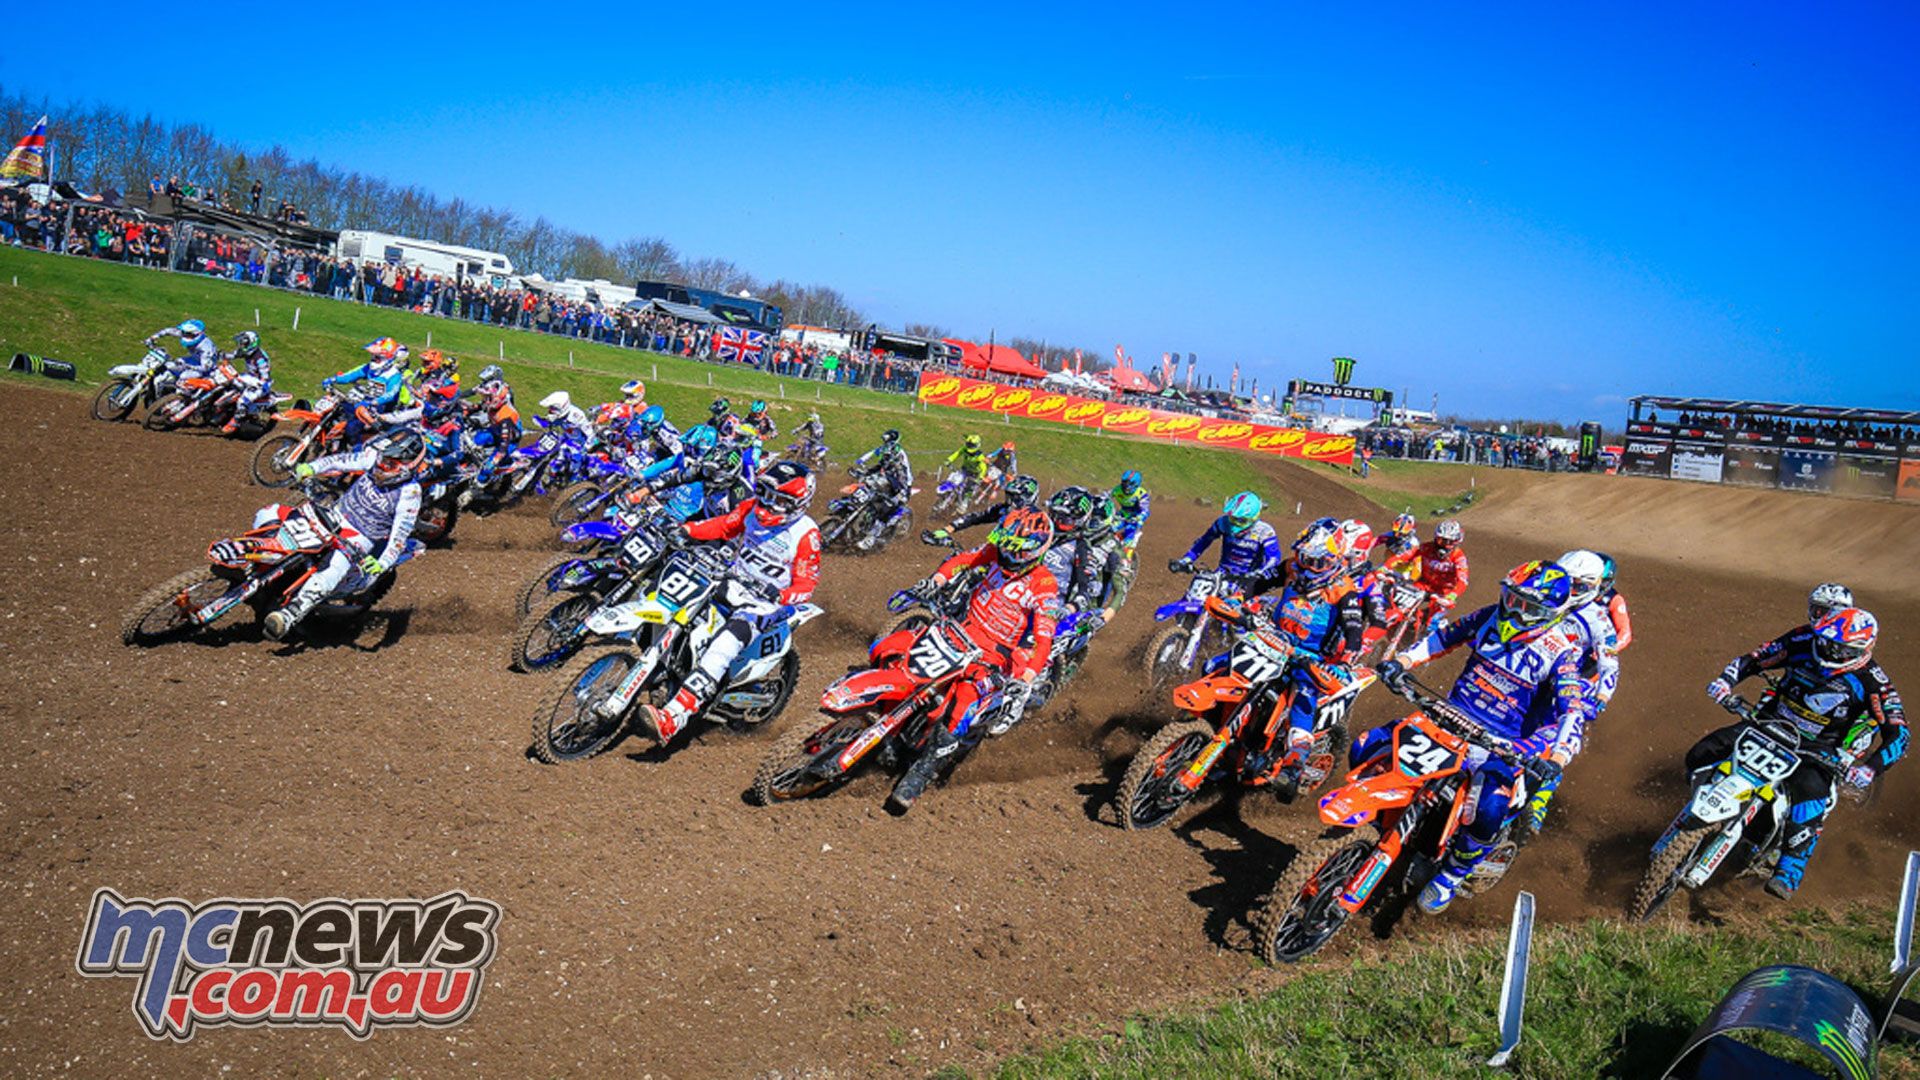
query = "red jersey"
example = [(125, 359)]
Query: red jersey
[(1622, 625), (780, 559), (1442, 573), (1011, 618)]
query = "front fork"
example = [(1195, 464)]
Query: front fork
[(1193, 641)]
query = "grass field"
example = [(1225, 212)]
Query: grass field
[(95, 314), (1426, 488)]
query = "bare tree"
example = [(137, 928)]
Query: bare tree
[(647, 258)]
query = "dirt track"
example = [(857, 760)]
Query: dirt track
[(654, 923)]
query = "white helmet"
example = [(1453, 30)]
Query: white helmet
[(556, 403), (1826, 599), (1587, 571)]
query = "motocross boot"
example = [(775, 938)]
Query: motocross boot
[(1793, 858), (664, 723), (280, 623), (941, 744), (1454, 869)]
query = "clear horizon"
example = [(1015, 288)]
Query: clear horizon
[(1529, 214)]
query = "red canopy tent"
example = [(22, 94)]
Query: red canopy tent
[(1126, 378), (998, 358)]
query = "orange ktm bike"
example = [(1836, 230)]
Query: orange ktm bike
[(1413, 791), (1236, 714)]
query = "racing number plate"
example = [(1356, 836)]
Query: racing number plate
[(935, 654), (1759, 756), (548, 442), (300, 533), (1258, 659), (639, 549), (1418, 753), (1201, 587), (682, 585)]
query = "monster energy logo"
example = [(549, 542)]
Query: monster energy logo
[(1342, 370), (1836, 1041)]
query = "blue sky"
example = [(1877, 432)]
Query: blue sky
[(1526, 212)]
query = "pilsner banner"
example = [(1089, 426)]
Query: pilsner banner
[(961, 392)]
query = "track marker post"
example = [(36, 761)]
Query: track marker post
[(1513, 986), (256, 316), (296, 318), (1903, 920)]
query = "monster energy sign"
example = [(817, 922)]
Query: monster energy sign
[(1343, 369), (1800, 1003), (1305, 388)]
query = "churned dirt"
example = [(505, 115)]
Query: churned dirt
[(654, 923)]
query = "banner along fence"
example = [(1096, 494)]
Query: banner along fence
[(963, 393), (1863, 468)]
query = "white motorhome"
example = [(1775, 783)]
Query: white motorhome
[(447, 260)]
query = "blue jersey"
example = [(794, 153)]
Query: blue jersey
[(1255, 551), (392, 384), (1527, 692)]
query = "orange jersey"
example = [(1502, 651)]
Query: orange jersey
[(1011, 618)]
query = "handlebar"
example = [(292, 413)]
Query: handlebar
[(1449, 716)]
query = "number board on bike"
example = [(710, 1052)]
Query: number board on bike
[(682, 584), (549, 441), (936, 653), (1759, 756), (1259, 658), (1202, 586), (639, 549), (1419, 754), (301, 534)]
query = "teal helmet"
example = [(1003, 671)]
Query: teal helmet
[(1243, 512)]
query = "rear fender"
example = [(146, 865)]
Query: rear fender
[(1357, 801), (580, 532), (1175, 609), (864, 689), (1203, 694)]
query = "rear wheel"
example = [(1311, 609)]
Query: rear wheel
[(1662, 878), (548, 635), (115, 400), (572, 727), (274, 459), (545, 582), (576, 503), (1165, 650), (789, 772), (167, 609), (1304, 911), (1151, 791)]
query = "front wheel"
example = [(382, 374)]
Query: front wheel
[(573, 728), (436, 522), (1662, 878), (802, 762), (167, 609), (547, 636), (831, 531), (1151, 791), (1304, 911), (115, 400), (274, 459), (1166, 651), (162, 416), (548, 580), (576, 503), (910, 619)]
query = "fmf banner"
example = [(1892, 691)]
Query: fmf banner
[(961, 392)]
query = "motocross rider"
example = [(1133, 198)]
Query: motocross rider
[(1132, 503), (618, 414), (202, 356), (778, 566), (892, 484), (1002, 464), (1010, 616), (1322, 613), (1522, 684), (568, 418), (705, 460), (1248, 546), (1439, 566), (812, 435), (387, 371), (255, 380), (1401, 539), (376, 514), (1022, 490), (968, 460), (1838, 698), (1589, 573)]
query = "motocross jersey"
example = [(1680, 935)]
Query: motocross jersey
[(723, 481), (1060, 559), (1010, 617), (1004, 460), (762, 429), (988, 515), (393, 384), (1834, 711), (1329, 620), (1528, 692), (779, 563), (890, 466), (1097, 569), (1622, 623), (1600, 650), (1442, 573), (1255, 551), (813, 430), (571, 419), (663, 443), (1131, 511), (970, 463), (202, 356), (379, 514), (256, 365)]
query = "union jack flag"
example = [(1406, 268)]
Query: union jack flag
[(735, 345)]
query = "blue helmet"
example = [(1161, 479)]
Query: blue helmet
[(1130, 481), (700, 441), (1243, 512), (1532, 598), (192, 331), (651, 418)]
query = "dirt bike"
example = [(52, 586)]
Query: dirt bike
[(1173, 648), (806, 451), (323, 431), (911, 611), (850, 518), (203, 400), (659, 636), (956, 494), (879, 714), (1740, 798), (554, 631), (132, 385), (1414, 792), (262, 568), (1238, 712), (1410, 616), (1072, 636)]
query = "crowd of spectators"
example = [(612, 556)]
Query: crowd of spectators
[(1780, 426), (1465, 447)]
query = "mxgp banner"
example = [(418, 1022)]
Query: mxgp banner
[(1697, 461), (1647, 456), (961, 392)]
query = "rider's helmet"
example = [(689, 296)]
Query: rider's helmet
[(1532, 598), (1843, 641), (1021, 538), (722, 464), (1070, 508), (1243, 511), (889, 438), (1317, 552), (388, 355), (1007, 446), (556, 403), (782, 492), (246, 343), (1023, 490), (1448, 534), (433, 360), (399, 454), (192, 331), (633, 391), (972, 444), (1130, 482), (1099, 524), (757, 410), (720, 408), (1608, 571), (491, 373), (1588, 571), (699, 442), (1826, 599), (494, 394), (1402, 526), (1356, 542), (650, 420)]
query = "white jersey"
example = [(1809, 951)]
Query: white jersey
[(1600, 651)]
